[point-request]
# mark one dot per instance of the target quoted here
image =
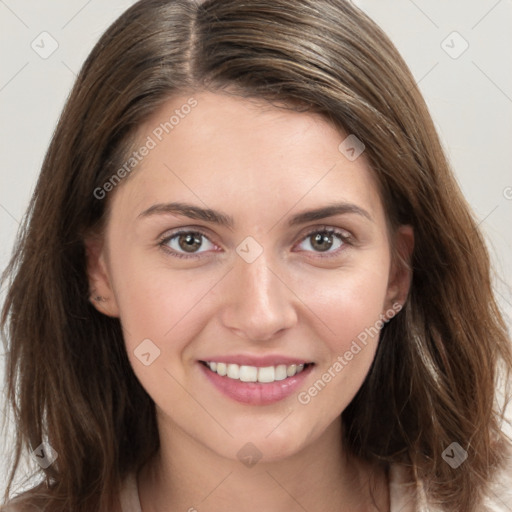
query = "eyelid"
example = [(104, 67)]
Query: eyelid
[(325, 227), (187, 229), (345, 235), (168, 235), (346, 238)]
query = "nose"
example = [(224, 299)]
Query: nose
[(259, 303)]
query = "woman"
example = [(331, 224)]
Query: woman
[(180, 340)]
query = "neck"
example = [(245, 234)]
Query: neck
[(188, 476)]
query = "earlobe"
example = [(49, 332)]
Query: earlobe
[(401, 266), (101, 293)]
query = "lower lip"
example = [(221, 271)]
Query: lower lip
[(256, 393)]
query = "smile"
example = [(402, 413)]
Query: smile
[(256, 385), (246, 373)]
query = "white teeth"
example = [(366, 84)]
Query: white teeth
[(266, 374), (281, 372), (254, 374), (248, 373), (233, 371), (221, 369), (291, 370)]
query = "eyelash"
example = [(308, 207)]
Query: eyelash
[(345, 238)]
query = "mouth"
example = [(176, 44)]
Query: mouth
[(263, 375), (256, 385)]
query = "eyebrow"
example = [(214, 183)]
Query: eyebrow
[(208, 215)]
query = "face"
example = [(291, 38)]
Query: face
[(245, 242)]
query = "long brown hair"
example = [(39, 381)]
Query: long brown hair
[(433, 380)]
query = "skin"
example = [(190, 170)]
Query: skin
[(261, 165)]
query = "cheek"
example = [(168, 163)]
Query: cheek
[(158, 304), (161, 314), (349, 306), (348, 301)]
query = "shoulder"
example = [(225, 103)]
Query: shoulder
[(499, 494), (408, 494), (23, 504), (31, 499), (37, 499), (20, 505), (129, 494)]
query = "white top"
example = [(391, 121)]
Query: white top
[(403, 496)]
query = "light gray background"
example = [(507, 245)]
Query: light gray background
[(470, 98)]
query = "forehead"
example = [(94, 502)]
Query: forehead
[(220, 149)]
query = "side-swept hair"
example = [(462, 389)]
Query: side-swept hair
[(433, 380)]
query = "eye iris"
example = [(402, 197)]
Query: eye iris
[(189, 242), (324, 241)]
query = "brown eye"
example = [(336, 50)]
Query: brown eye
[(328, 241), (186, 242), (190, 242), (322, 241)]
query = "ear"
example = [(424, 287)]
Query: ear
[(101, 292), (400, 277)]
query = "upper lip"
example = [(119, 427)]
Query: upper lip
[(258, 361)]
